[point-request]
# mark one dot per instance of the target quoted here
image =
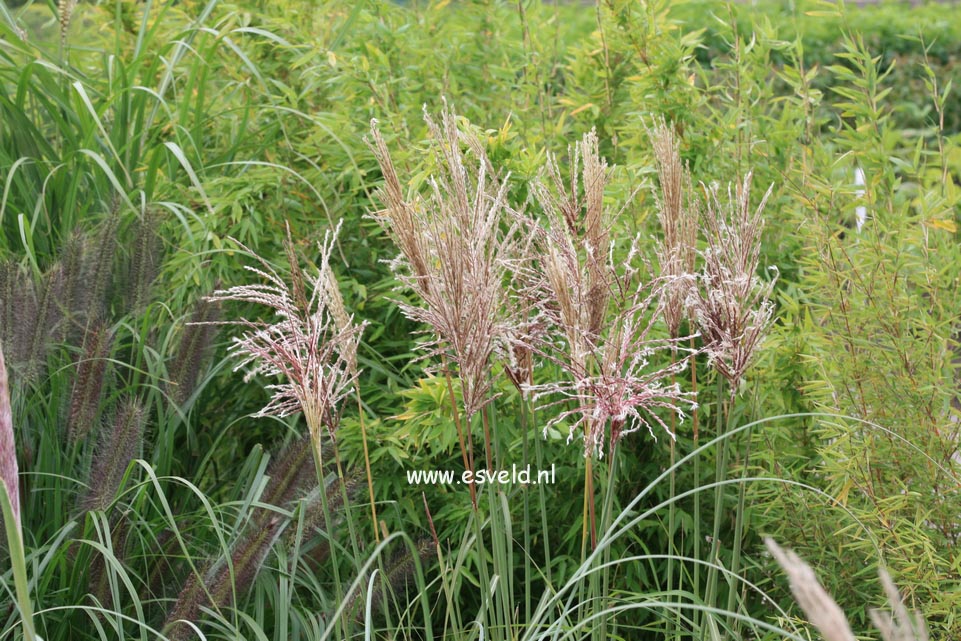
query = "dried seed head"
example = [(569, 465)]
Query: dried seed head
[(65, 11)]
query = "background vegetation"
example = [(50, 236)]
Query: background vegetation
[(142, 142)]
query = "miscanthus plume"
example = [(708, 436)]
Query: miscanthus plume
[(601, 312), (678, 212), (732, 305), (458, 246), (310, 344)]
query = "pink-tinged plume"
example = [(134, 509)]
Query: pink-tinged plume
[(9, 473)]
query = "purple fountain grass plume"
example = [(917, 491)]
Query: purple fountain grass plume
[(315, 518), (291, 475), (194, 349), (99, 268), (219, 582), (88, 384), (9, 472), (98, 584), (146, 259), (118, 447), (305, 346), (74, 291), (399, 573), (46, 319), (19, 312), (457, 249), (678, 212), (732, 306)]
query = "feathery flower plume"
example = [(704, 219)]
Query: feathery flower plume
[(899, 624), (678, 212), (304, 346), (614, 382), (89, 381), (603, 313), (732, 306), (456, 253), (9, 472), (580, 229), (338, 311)]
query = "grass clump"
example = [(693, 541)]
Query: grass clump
[(698, 261)]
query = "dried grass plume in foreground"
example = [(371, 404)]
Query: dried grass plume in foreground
[(825, 614)]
